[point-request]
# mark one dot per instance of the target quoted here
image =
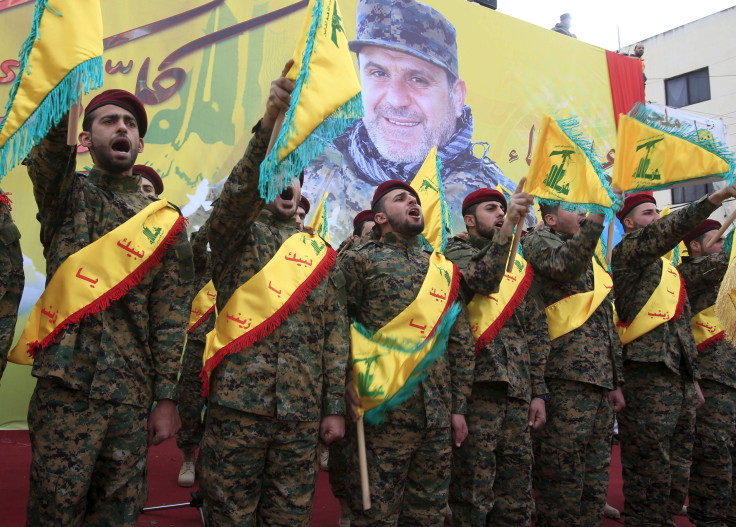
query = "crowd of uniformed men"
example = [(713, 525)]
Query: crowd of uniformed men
[(513, 421)]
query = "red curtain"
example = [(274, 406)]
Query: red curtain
[(627, 82)]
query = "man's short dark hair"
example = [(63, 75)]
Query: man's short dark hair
[(545, 209)]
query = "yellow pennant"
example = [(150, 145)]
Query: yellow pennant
[(61, 56), (319, 220), (389, 364), (563, 168), (100, 273), (428, 185), (203, 306), (325, 101), (707, 329), (666, 303), (571, 312), (488, 314), (262, 303), (648, 158)]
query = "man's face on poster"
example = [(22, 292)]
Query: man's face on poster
[(410, 105)]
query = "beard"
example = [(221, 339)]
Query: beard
[(399, 153), (103, 158), (485, 231), (404, 227)]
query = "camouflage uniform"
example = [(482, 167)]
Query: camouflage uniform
[(189, 388), (409, 453), (657, 425), (712, 487), (258, 454), (11, 280), (491, 481), (88, 416), (573, 450)]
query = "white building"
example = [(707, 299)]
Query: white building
[(693, 68)]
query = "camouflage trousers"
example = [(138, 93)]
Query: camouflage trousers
[(343, 463), (190, 401), (572, 455), (89, 459), (408, 473), (657, 429), (491, 481), (257, 470), (713, 474)]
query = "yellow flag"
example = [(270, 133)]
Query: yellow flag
[(61, 56), (325, 101), (319, 221), (564, 168), (650, 158), (428, 185)]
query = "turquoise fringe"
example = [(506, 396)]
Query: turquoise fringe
[(54, 106), (641, 113), (275, 175), (377, 415)]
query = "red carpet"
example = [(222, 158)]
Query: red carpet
[(164, 462)]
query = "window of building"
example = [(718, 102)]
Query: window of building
[(687, 89), (690, 193)]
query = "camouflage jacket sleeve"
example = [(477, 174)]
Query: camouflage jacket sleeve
[(240, 201), (169, 304), (51, 165), (461, 355), (557, 259), (645, 246), (483, 272), (703, 278), (537, 339), (336, 346)]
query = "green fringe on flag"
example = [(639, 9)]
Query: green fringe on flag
[(377, 415), (54, 106), (644, 115), (275, 175)]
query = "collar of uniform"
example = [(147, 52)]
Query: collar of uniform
[(267, 217), (479, 242), (113, 182), (395, 240)]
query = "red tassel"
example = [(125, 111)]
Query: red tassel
[(681, 300), (495, 328), (115, 293), (5, 200), (711, 341), (201, 319), (269, 325)]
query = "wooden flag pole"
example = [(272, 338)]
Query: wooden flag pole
[(722, 230), (363, 466), (609, 246), (517, 234), (276, 131)]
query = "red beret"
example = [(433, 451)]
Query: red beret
[(363, 215), (125, 100), (633, 200), (483, 195), (705, 226), (151, 175), (392, 184), (304, 203)]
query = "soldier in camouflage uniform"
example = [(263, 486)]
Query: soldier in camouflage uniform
[(12, 279), (269, 403), (189, 388), (661, 390), (414, 99), (583, 375), (491, 481), (712, 491), (409, 453), (90, 418)]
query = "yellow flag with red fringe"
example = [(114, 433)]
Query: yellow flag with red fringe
[(650, 157), (319, 222), (566, 170), (60, 58), (326, 98), (428, 185)]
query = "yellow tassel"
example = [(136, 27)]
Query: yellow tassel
[(726, 304)]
